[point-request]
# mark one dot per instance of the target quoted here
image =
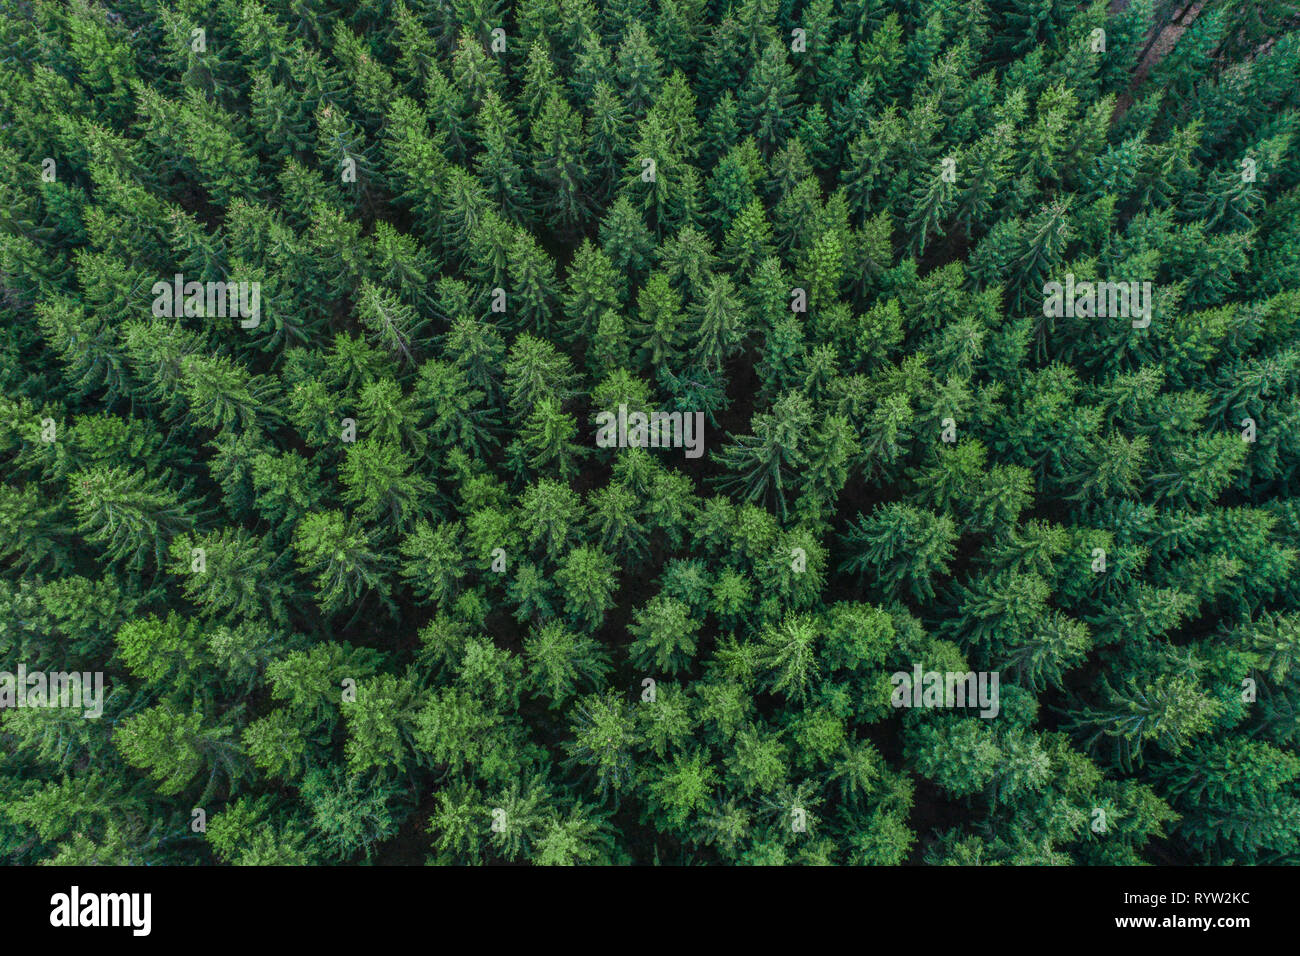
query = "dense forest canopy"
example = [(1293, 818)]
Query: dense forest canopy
[(968, 332)]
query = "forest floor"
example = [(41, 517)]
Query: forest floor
[(1158, 46)]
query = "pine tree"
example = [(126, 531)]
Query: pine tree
[(133, 516), (340, 555)]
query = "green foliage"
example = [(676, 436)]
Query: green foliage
[(361, 577)]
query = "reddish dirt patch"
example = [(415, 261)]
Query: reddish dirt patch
[(1159, 43)]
